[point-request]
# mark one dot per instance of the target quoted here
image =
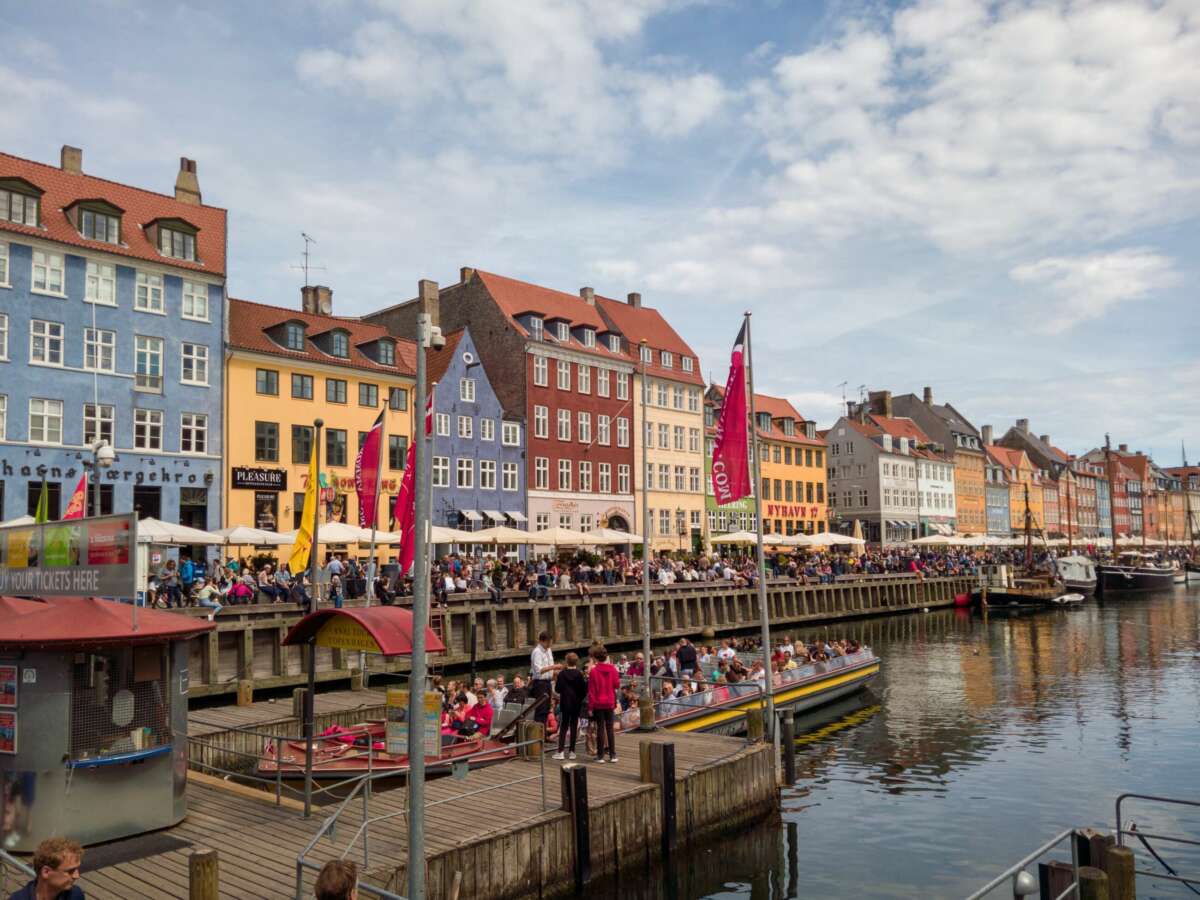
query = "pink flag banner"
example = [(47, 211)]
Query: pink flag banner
[(731, 457), (366, 472), (405, 509), (78, 503)]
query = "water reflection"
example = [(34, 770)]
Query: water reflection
[(982, 736)]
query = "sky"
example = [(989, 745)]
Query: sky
[(999, 200)]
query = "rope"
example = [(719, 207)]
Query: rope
[(1161, 861)]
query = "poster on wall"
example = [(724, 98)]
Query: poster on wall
[(266, 510), (8, 732), (88, 557), (8, 686)]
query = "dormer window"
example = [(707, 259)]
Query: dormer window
[(589, 337), (339, 344), (387, 353), (687, 363), (668, 359), (293, 336), (98, 225), (177, 244), (764, 421), (647, 354), (564, 332), (18, 206), (614, 343), (789, 427), (535, 328)]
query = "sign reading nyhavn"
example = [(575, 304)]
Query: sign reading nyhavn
[(260, 479)]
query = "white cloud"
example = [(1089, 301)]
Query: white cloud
[(1076, 289)]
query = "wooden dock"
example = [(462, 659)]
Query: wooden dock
[(246, 646), (501, 842)]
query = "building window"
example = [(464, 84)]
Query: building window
[(3, 263), (510, 434), (622, 478), (622, 385), (564, 424), (614, 343), (622, 431), (679, 433), (564, 474), (603, 431), (194, 364), (465, 473), (335, 390), (693, 400), (339, 344), (98, 423), (48, 272), (266, 441), (147, 429), (680, 475), (148, 295), (98, 226), (564, 520), (441, 424), (266, 381), (564, 332), (302, 444), (662, 394), (694, 440), (368, 394), (604, 470), (45, 421), (668, 359), (3, 416), (602, 382), (398, 398), (465, 427), (293, 336), (562, 370), (302, 386), (589, 337), (694, 479), (541, 473), (540, 376), (585, 476), (441, 471), (19, 208), (647, 355), (664, 477), (397, 451), (585, 428), (509, 476), (335, 446), (487, 429), (686, 362), (487, 474), (195, 301), (176, 244), (466, 390), (664, 522), (387, 353), (100, 284), (664, 436), (149, 351), (585, 379), (45, 343), (541, 521), (535, 328), (193, 433), (99, 350)]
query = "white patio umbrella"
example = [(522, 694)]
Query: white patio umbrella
[(244, 535), (337, 533), (502, 534), (736, 537), (797, 540), (563, 537), (932, 540), (613, 536), (439, 534), (774, 539), (833, 539), (156, 531)]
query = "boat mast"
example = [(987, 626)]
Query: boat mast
[(1187, 503), (1070, 544), (1028, 533), (1112, 493)]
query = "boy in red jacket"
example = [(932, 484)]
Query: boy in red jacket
[(604, 681)]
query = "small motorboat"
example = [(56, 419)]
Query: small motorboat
[(1181, 576), (1068, 600), (342, 752), (1078, 573)]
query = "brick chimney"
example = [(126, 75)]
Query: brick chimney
[(316, 300), (71, 159), (187, 185), (1044, 438), (880, 403), (986, 432), (1123, 448), (927, 396), (589, 295), (1023, 425), (635, 300), (428, 300), (465, 274)]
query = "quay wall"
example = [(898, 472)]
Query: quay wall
[(246, 646)]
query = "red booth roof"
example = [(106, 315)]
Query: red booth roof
[(389, 626), (80, 621)]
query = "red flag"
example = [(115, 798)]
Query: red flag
[(366, 472), (731, 459), (78, 502), (405, 509)]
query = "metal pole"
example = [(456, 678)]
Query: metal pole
[(375, 519), (1112, 494), (420, 618), (772, 729), (646, 697), (314, 569)]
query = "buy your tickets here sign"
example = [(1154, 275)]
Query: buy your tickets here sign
[(83, 557)]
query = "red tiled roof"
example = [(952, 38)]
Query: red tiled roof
[(779, 408), (438, 361), (1183, 471), (140, 207), (1004, 457), (900, 428), (249, 323), (645, 323), (517, 297)]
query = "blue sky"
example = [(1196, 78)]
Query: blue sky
[(999, 200)]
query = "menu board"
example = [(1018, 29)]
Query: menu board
[(84, 557), (8, 686)]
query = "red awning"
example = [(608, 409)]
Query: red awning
[(86, 621), (389, 627)]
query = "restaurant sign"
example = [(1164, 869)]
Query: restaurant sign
[(259, 479), (80, 558)]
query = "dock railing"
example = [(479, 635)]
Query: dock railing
[(10, 863), (363, 831), (1168, 872), (1019, 887)]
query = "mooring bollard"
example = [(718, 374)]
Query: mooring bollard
[(203, 876), (1122, 882), (298, 703), (575, 802), (658, 767), (245, 692), (787, 739), (646, 712), (1093, 883), (754, 723)]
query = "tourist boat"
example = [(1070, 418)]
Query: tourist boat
[(1040, 590), (1133, 572), (1078, 573), (722, 708), (341, 752)]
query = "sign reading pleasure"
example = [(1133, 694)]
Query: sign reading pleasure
[(81, 558)]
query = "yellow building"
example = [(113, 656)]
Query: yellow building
[(673, 429), (286, 368), (792, 469), (1020, 473)]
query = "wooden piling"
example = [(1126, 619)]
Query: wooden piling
[(203, 875), (298, 703), (575, 802), (245, 692), (754, 723), (1119, 866), (658, 767), (1093, 883), (787, 739)]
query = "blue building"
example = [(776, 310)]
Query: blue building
[(996, 496), (1103, 506), (112, 316), (478, 454)]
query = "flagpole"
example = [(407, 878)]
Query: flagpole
[(647, 697), (764, 616), (371, 564)]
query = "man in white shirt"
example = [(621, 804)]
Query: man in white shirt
[(541, 670), (726, 652)]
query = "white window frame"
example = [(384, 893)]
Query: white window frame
[(541, 422), (686, 362), (442, 424), (614, 343), (694, 479), (466, 427), (564, 332), (100, 283), (466, 390), (541, 473), (646, 354), (510, 434), (622, 431), (622, 385), (564, 474), (199, 358), (664, 395), (584, 427), (47, 412), (562, 374), (664, 436), (53, 271), (677, 397), (4, 265), (541, 522), (148, 294), (195, 295), (29, 208), (3, 417), (667, 358), (622, 478), (536, 328), (100, 342), (195, 424), (487, 474), (146, 344), (487, 429), (3, 336), (563, 424), (585, 476), (147, 420), (167, 246), (564, 520), (604, 471), (693, 440), (510, 476), (48, 340), (584, 381), (693, 400), (589, 337), (464, 473), (602, 382), (603, 430), (440, 472), (541, 373), (679, 435)]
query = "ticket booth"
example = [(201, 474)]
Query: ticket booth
[(93, 719)]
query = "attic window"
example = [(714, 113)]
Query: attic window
[(564, 332), (535, 328), (387, 353), (19, 208), (668, 359), (294, 336), (177, 244), (339, 344), (687, 363), (647, 354), (99, 226), (789, 427), (764, 421), (589, 337), (614, 343)]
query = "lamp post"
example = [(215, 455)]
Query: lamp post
[(680, 527), (103, 457)]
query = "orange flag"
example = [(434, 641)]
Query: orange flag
[(78, 504)]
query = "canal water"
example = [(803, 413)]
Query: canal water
[(981, 739)]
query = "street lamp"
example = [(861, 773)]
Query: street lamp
[(103, 456), (680, 527)]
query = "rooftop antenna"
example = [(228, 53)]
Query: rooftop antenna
[(306, 267), (862, 393), (843, 387)]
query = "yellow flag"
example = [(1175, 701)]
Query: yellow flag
[(303, 546)]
